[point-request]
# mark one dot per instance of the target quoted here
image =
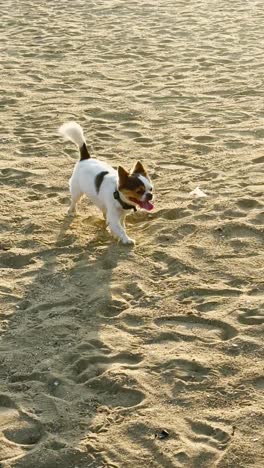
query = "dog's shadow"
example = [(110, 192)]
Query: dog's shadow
[(59, 331)]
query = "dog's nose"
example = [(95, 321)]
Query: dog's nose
[(149, 196)]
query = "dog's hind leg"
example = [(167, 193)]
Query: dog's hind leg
[(75, 196), (72, 207)]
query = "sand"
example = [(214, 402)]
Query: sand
[(103, 347)]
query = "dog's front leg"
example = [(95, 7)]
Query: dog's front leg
[(114, 223)]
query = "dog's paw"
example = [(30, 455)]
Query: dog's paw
[(71, 213), (128, 241)]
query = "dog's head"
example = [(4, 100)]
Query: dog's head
[(135, 187)]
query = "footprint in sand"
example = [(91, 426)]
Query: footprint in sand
[(115, 393), (190, 328), (87, 367), (168, 265), (136, 296), (252, 317), (209, 292), (207, 299), (19, 432), (173, 213), (258, 219), (248, 203), (241, 231), (52, 191), (133, 321), (102, 373), (14, 176), (258, 383), (203, 432), (16, 261), (208, 443), (259, 160), (188, 371), (207, 306), (113, 308)]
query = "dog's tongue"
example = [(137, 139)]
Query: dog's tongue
[(146, 205)]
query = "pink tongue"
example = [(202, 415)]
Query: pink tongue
[(146, 205)]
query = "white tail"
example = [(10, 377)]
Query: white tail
[(72, 131)]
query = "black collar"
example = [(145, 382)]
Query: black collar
[(124, 205)]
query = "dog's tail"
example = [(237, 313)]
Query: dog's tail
[(73, 132)]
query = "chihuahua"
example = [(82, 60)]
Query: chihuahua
[(114, 192)]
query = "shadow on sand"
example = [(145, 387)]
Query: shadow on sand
[(58, 392)]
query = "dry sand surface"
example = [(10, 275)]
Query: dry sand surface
[(104, 346)]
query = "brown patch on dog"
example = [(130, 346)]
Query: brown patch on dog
[(130, 195), (123, 175), (139, 169)]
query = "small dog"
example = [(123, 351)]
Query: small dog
[(113, 192)]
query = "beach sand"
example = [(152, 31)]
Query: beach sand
[(103, 347)]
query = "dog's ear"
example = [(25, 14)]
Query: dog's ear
[(139, 169), (122, 175)]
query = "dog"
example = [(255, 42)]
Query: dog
[(114, 192)]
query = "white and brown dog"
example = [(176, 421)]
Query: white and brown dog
[(113, 192)]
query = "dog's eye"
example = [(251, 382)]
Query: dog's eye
[(150, 189), (140, 191)]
